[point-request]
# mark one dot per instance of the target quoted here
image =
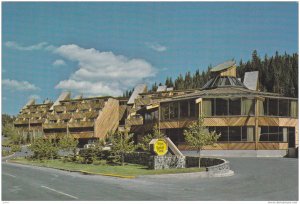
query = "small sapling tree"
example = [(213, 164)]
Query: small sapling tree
[(156, 134), (122, 143), (198, 136), (68, 143)]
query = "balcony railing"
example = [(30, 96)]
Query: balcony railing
[(54, 125), (81, 124), (134, 121), (142, 101)]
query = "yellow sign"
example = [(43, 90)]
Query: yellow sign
[(160, 147)]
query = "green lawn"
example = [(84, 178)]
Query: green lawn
[(126, 170)]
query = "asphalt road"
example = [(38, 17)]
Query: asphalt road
[(267, 179)]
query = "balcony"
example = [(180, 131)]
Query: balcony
[(55, 126), (134, 121), (81, 124), (142, 101)]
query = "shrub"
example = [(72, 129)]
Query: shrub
[(44, 149), (6, 153), (68, 144), (99, 162), (121, 143), (15, 148), (88, 155)]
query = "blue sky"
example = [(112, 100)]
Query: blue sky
[(105, 48)]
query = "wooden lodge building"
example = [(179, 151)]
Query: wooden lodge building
[(247, 118), (82, 118)]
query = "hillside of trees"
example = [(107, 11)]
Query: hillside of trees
[(277, 74)]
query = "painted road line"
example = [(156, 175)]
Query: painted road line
[(51, 189), (6, 174)]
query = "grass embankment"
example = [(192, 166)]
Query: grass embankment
[(109, 170)]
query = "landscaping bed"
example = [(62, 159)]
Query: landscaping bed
[(132, 170)]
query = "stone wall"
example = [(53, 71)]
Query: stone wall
[(141, 158), (204, 162), (214, 166), (167, 162)]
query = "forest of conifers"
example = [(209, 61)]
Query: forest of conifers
[(277, 74)]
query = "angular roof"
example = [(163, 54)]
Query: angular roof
[(78, 96), (227, 92), (223, 81), (140, 88), (223, 66), (63, 96), (161, 88), (29, 103), (251, 80)]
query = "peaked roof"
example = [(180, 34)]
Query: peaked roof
[(223, 66)]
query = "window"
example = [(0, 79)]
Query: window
[(283, 107), (52, 121), (283, 133), (264, 133), (184, 109), (165, 112), (211, 128), (208, 107), (291, 135), (235, 133), (273, 133), (273, 107), (293, 108), (244, 133), (150, 116), (224, 133), (221, 106), (248, 106), (174, 110), (193, 109), (235, 106), (266, 107)]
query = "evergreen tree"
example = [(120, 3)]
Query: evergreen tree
[(278, 73)]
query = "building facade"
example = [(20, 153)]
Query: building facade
[(246, 118)]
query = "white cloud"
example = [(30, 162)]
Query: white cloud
[(58, 63), (157, 47), (102, 73), (34, 96), (17, 46), (19, 85)]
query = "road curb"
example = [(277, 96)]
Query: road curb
[(8, 156), (79, 171)]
